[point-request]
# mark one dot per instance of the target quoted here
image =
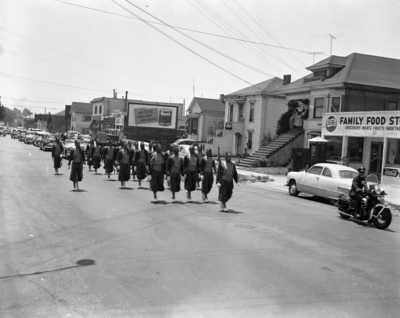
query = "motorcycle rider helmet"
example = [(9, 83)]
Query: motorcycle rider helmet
[(361, 169)]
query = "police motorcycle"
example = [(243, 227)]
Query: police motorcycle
[(373, 207)]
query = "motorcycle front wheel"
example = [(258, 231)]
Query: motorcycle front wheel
[(384, 219)]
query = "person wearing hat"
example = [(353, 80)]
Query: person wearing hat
[(191, 166), (207, 166), (77, 156), (357, 187), (109, 156), (157, 167), (125, 159), (141, 162), (175, 171), (225, 175), (56, 152), (96, 152)]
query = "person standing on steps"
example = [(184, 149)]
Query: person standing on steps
[(56, 152), (125, 159), (109, 158), (77, 156), (207, 167), (141, 163), (157, 168), (191, 165), (96, 153), (226, 173), (174, 172)]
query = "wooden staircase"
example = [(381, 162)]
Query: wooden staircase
[(275, 145)]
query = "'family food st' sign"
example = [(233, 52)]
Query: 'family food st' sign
[(362, 124)]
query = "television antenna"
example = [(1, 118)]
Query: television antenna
[(313, 55), (332, 36)]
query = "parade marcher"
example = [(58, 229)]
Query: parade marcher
[(358, 185), (175, 171), (157, 169), (191, 165), (56, 152), (77, 156), (200, 154), (141, 163), (134, 168), (125, 159), (207, 166), (226, 173), (167, 155), (96, 153), (109, 158), (89, 158)]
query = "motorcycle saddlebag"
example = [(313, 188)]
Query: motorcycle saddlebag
[(343, 202)]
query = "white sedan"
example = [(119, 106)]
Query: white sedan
[(323, 180)]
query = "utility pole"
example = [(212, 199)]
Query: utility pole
[(332, 37)]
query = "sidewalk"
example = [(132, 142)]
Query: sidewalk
[(277, 182)]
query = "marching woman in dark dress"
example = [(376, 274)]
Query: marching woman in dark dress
[(141, 163), (175, 171), (191, 165), (109, 156), (225, 175), (56, 152), (157, 168), (125, 159), (89, 156), (77, 156), (96, 153), (207, 166), (135, 149)]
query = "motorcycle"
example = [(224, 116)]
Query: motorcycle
[(373, 207)]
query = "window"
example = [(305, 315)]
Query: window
[(192, 126), (318, 107), (95, 110), (85, 131), (320, 74), (355, 149), (334, 148), (100, 109), (86, 118), (251, 115), (327, 173), (315, 170), (250, 142), (335, 106), (392, 106), (344, 174), (230, 116)]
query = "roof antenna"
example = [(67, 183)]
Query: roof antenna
[(332, 37)]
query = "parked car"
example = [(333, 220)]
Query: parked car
[(86, 138), (29, 138), (69, 144), (21, 135), (185, 142), (184, 150), (324, 180), (46, 142)]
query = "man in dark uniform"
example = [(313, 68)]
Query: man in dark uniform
[(357, 187), (56, 152)]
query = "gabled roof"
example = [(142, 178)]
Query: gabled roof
[(61, 113), (82, 108), (207, 104), (357, 69), (268, 86)]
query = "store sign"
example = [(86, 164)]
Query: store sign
[(155, 116), (372, 124)]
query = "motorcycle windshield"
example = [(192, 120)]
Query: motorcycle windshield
[(372, 181)]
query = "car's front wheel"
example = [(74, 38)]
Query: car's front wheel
[(293, 189)]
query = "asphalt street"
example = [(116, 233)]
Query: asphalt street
[(109, 252)]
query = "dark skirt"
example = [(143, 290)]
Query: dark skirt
[(157, 181), (57, 161), (76, 171), (141, 170), (225, 190), (96, 162), (190, 180), (90, 160), (109, 166), (175, 180), (207, 183), (124, 172)]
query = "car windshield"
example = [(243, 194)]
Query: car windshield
[(346, 174), (69, 141)]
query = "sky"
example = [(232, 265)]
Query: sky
[(54, 52)]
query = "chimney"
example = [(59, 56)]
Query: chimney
[(113, 93), (222, 98), (287, 79), (126, 101)]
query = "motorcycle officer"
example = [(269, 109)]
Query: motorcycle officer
[(357, 188)]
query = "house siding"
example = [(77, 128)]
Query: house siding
[(275, 108)]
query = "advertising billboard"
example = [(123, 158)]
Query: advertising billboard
[(152, 116)]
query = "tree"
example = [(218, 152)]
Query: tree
[(49, 122), (26, 112), (2, 112)]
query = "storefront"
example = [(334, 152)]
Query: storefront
[(368, 139)]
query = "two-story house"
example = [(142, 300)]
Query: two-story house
[(81, 117), (251, 115), (354, 103)]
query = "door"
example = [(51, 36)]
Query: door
[(238, 144), (375, 163), (309, 181), (327, 185)]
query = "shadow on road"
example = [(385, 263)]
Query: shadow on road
[(58, 174), (79, 190), (80, 263), (231, 211), (126, 188)]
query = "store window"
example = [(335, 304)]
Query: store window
[(335, 105), (392, 106), (318, 107), (355, 149), (334, 148), (251, 115)]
